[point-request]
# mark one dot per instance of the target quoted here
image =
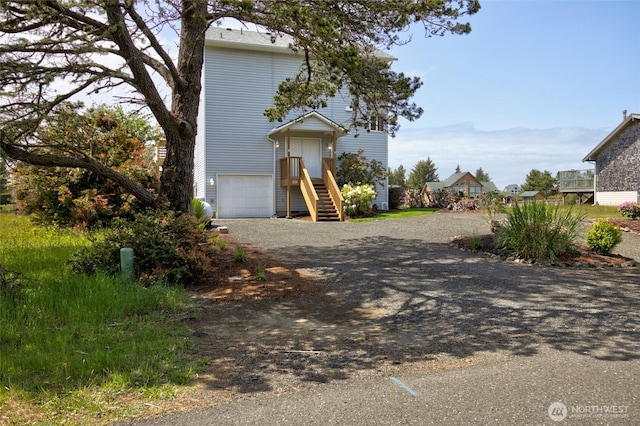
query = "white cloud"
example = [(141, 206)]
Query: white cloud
[(506, 155)]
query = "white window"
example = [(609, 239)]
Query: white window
[(377, 123)]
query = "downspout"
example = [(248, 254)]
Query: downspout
[(275, 178)]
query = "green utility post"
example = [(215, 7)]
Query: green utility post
[(126, 264)]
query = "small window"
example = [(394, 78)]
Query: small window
[(377, 124)]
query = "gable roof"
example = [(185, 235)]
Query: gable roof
[(527, 194), (606, 141), (261, 41), (489, 187), (454, 178), (451, 180), (311, 121)]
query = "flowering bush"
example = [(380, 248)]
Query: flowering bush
[(65, 196), (358, 198), (630, 210)]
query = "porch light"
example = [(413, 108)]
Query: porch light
[(277, 144), (212, 182)]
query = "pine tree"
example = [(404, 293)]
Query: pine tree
[(424, 171)]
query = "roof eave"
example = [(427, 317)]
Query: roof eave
[(337, 128), (591, 156)]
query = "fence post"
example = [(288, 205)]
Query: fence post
[(126, 264)]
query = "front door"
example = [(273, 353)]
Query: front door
[(310, 149)]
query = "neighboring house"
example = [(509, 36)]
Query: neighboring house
[(617, 160), (463, 183), (528, 196), (246, 166), (511, 190)]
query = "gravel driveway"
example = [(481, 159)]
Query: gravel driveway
[(399, 300), (281, 235), (400, 292)]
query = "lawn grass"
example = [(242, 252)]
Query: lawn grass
[(594, 212), (71, 346), (396, 214), (590, 211)]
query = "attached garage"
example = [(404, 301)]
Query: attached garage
[(244, 196)]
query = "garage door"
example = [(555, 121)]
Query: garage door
[(245, 196)]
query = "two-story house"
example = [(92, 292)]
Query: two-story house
[(246, 166)]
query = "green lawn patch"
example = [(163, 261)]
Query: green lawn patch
[(70, 345), (594, 212), (396, 214)]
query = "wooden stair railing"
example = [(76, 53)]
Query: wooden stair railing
[(322, 196), (308, 192), (328, 167)]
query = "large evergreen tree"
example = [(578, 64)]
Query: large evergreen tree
[(398, 176), (541, 181), (482, 176), (55, 50), (424, 171)]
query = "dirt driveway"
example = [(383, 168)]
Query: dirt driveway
[(395, 296)]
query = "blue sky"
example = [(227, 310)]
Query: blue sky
[(535, 85)]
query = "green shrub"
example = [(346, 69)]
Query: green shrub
[(358, 198), (571, 199), (603, 237), (538, 230), (199, 211), (74, 197), (475, 242), (166, 248)]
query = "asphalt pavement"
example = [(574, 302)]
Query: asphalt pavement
[(554, 388)]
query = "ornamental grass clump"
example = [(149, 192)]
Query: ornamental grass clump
[(603, 237), (537, 230), (630, 210)]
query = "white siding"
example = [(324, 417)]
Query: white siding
[(615, 198)]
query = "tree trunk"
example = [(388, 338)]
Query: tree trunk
[(176, 182)]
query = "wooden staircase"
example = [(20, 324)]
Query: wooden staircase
[(326, 209)]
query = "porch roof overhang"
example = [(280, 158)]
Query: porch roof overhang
[(310, 122)]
